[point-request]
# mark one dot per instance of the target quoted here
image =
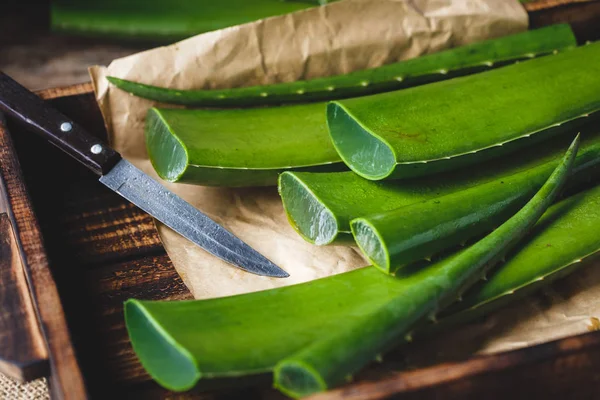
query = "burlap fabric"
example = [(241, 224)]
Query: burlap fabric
[(13, 390)]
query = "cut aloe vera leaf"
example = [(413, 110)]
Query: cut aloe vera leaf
[(238, 147), (462, 121), (183, 341), (159, 20), (564, 237), (424, 292), (393, 239), (321, 206), (463, 60)]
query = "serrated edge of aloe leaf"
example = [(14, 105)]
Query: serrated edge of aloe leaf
[(259, 94), (393, 167), (261, 98), (483, 308), (529, 285)]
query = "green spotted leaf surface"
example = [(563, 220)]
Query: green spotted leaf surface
[(443, 65), (463, 121)]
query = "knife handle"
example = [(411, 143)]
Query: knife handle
[(55, 127)]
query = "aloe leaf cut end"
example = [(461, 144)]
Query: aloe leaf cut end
[(374, 158), (161, 141), (422, 293), (444, 125), (310, 217), (371, 243), (304, 380), (169, 363)]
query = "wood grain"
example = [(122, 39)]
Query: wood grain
[(23, 354), (102, 250), (563, 369), (66, 379)]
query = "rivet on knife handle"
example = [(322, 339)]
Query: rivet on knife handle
[(20, 103), (125, 179)]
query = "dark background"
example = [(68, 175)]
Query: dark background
[(39, 59)]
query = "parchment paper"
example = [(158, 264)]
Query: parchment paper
[(337, 38)]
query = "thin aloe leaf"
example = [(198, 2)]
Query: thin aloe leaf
[(463, 60), (320, 206), (463, 121), (565, 237), (184, 341), (163, 21), (238, 147), (421, 293)]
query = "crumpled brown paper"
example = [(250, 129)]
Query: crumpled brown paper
[(333, 39)]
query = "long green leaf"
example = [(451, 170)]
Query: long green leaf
[(564, 237), (181, 342), (158, 20), (321, 206), (241, 147), (462, 121), (463, 60)]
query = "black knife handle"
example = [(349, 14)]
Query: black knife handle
[(58, 129)]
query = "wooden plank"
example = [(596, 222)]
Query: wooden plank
[(152, 278), (582, 15), (67, 381), (23, 354), (563, 369)]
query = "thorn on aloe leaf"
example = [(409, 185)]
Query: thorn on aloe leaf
[(408, 337), (379, 358), (433, 317)]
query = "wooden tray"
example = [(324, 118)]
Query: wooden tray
[(88, 250)]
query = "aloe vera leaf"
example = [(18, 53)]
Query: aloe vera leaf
[(462, 121), (159, 20), (565, 237), (320, 206), (424, 292), (181, 342), (238, 147), (393, 239), (463, 60)]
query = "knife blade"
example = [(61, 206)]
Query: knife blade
[(128, 181)]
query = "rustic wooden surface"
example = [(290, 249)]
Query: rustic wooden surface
[(66, 380), (23, 354), (40, 59), (102, 250)]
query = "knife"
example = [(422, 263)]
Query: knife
[(122, 177)]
